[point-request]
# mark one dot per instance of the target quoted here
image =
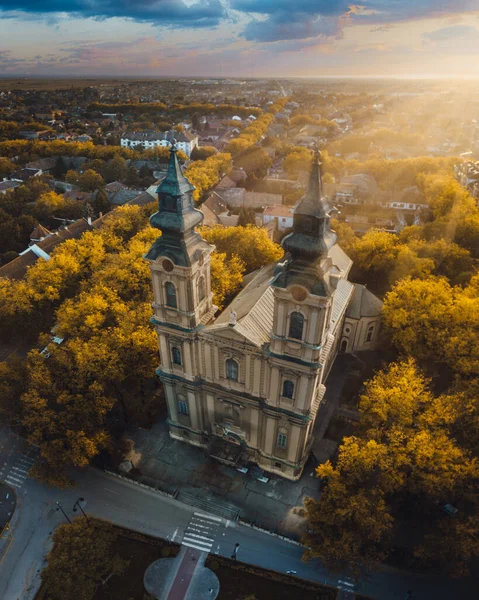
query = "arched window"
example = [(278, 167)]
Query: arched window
[(288, 389), (170, 295), (344, 345), (176, 355), (232, 369), (282, 440), (201, 288), (296, 325), (370, 333)]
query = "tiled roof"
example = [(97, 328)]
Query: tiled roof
[(17, 268), (39, 232), (9, 185), (340, 259), (279, 210), (254, 307), (341, 297), (363, 303)]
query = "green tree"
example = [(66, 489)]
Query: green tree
[(100, 203), (6, 167), (83, 555), (203, 152), (115, 170), (247, 216)]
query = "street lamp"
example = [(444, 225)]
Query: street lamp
[(77, 506), (60, 507)]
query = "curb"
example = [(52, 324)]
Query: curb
[(143, 485), (174, 496), (268, 532)]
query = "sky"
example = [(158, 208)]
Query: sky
[(240, 38)]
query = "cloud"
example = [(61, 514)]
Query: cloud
[(302, 19), (454, 31), (172, 13), (293, 27)]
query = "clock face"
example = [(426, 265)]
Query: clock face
[(167, 265), (298, 293)]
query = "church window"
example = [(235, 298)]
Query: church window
[(288, 389), (183, 407), (201, 288), (282, 440), (232, 369), (296, 325), (171, 295), (176, 355), (370, 333)]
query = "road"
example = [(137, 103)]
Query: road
[(126, 504)]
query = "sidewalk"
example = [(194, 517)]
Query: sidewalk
[(277, 505), (177, 467)]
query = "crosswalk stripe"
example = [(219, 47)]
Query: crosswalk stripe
[(196, 547), (202, 531), (12, 477), (209, 517), (14, 484), (203, 545), (200, 537), (203, 526), (24, 471), (205, 522), (25, 461), (192, 538)]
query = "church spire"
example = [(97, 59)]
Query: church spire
[(312, 236), (177, 216)]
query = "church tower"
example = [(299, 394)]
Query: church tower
[(183, 302), (304, 286), (305, 282)]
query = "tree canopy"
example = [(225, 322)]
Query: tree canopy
[(83, 555)]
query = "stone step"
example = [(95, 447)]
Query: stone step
[(208, 504)]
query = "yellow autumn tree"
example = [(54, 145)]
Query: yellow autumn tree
[(251, 244)]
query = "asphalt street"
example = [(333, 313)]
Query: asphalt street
[(129, 505)]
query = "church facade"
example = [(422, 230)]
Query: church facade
[(247, 385)]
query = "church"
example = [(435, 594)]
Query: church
[(247, 385)]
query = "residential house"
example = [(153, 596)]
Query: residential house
[(7, 185), (217, 212), (25, 174), (17, 268), (119, 194), (281, 214)]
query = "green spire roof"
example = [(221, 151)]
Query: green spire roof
[(175, 183), (177, 216), (312, 236)]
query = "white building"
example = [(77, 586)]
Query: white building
[(283, 215), (152, 139)]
